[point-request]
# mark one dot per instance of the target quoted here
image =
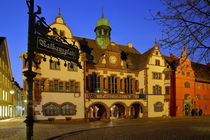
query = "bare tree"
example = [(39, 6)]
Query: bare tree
[(186, 24)]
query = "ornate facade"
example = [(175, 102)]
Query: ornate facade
[(191, 86), (116, 81)]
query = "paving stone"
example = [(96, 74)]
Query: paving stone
[(192, 128)]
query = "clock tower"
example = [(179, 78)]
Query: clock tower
[(103, 31)]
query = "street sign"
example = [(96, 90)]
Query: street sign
[(56, 49)]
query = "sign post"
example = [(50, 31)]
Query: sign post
[(29, 74), (40, 42)]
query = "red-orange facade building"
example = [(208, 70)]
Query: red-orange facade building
[(190, 86), (202, 87)]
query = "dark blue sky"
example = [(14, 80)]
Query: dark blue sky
[(127, 19)]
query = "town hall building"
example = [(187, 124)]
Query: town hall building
[(116, 81)]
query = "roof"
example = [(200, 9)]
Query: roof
[(94, 51), (202, 72), (144, 58), (102, 21), (172, 61)]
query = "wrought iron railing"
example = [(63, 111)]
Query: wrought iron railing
[(114, 96)]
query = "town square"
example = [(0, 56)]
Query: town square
[(105, 70)]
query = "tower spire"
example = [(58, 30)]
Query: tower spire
[(59, 12), (156, 42), (102, 16)]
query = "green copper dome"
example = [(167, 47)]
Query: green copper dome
[(102, 21)]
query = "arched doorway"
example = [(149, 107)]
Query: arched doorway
[(97, 111), (187, 109), (136, 111), (117, 111)]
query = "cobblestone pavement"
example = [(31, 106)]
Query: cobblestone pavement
[(193, 128), (154, 129)]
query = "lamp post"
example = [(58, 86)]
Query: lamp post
[(29, 74)]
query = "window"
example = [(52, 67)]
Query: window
[(60, 86), (183, 73), (51, 86), (62, 33), (39, 85), (167, 88), (72, 67), (54, 65), (72, 89), (67, 87), (156, 53), (206, 97), (157, 62), (95, 83), (167, 76), (188, 73), (186, 96), (158, 107), (156, 75), (112, 84), (187, 85), (128, 85), (157, 90), (51, 110), (77, 87), (68, 109), (55, 85), (198, 96)]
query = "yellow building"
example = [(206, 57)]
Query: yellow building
[(116, 81), (7, 109)]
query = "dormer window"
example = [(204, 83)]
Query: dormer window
[(62, 33), (54, 65), (72, 67)]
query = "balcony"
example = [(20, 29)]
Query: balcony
[(113, 96)]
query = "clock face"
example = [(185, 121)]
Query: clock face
[(112, 59)]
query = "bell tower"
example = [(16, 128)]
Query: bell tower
[(103, 32)]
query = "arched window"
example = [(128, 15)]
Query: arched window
[(187, 85), (157, 90), (51, 110), (158, 107), (68, 109)]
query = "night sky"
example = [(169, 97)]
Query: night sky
[(128, 20)]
